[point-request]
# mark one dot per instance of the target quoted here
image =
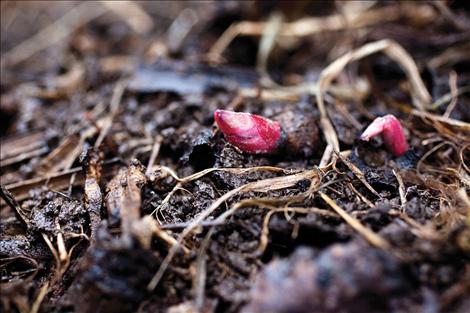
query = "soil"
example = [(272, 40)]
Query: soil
[(119, 194)]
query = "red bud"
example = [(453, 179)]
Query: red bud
[(250, 133), (392, 133)]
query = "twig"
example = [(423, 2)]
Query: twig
[(53, 33), (357, 172), (93, 196), (454, 91), (462, 159), (132, 13), (447, 120), (401, 188), (199, 283), (173, 226), (164, 265), (360, 195), (447, 13), (123, 197), (265, 231), (449, 97), (53, 251), (63, 156), (114, 106), (314, 25), (18, 145), (14, 205), (39, 298), (184, 180), (418, 229), (428, 153), (268, 40), (56, 181), (154, 154), (180, 28), (260, 186), (451, 56), (369, 235), (23, 156)]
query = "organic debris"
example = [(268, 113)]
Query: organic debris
[(122, 191)]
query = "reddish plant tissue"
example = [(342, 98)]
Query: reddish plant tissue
[(249, 132), (392, 133)]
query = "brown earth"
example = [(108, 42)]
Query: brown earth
[(120, 195)]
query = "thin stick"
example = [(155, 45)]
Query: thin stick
[(153, 156), (201, 272), (447, 120), (454, 90), (260, 186), (360, 195), (401, 188), (53, 251), (357, 172), (313, 25), (418, 229), (132, 13), (368, 234), (450, 96), (184, 180), (263, 243), (39, 298), (268, 40), (53, 33), (201, 217), (114, 106), (10, 200), (186, 224)]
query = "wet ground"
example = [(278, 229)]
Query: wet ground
[(119, 194)]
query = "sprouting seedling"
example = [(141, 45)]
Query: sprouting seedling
[(293, 132), (392, 133), (249, 132)]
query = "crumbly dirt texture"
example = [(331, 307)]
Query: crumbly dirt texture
[(119, 194)]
